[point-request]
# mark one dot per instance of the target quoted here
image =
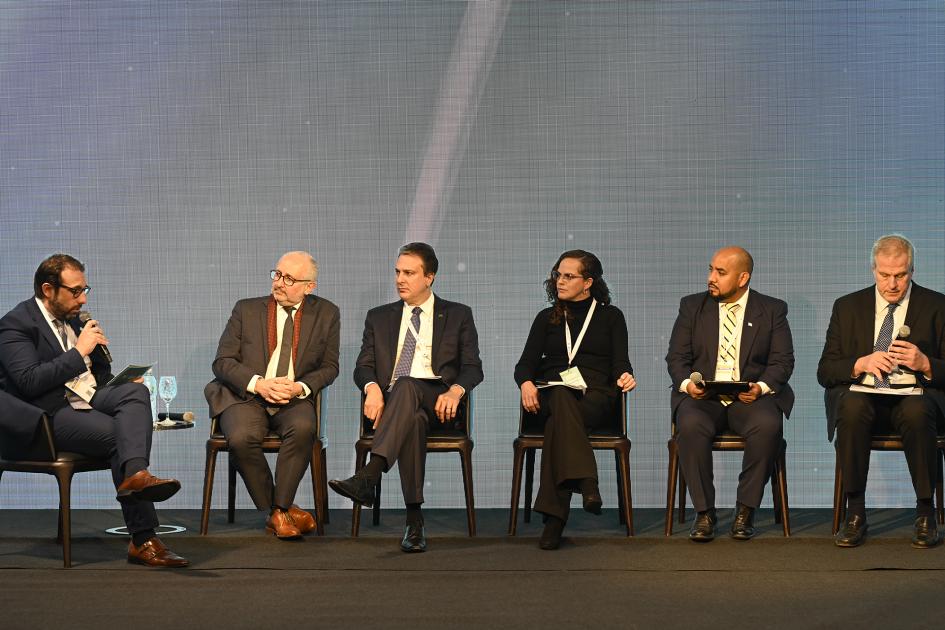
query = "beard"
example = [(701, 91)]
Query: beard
[(60, 311)]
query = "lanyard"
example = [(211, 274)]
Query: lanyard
[(572, 352)]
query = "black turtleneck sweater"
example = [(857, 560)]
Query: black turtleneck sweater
[(602, 357)]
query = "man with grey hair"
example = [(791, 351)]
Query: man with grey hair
[(275, 354), (883, 368)]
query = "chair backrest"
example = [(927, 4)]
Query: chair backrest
[(215, 420), (462, 422), (528, 423), (41, 449)]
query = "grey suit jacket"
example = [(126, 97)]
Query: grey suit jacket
[(243, 350), (766, 350), (850, 336)]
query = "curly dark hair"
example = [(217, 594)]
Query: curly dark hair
[(590, 268)]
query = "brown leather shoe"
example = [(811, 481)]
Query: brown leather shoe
[(303, 520), (280, 524), (154, 554), (146, 487)]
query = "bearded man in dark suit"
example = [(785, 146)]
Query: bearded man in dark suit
[(419, 357), (868, 346), (50, 362), (730, 334), (275, 354)]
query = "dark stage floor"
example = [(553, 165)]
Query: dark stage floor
[(599, 577)]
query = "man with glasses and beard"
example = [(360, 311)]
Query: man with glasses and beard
[(275, 354), (49, 361)]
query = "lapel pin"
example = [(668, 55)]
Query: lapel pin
[(749, 323)]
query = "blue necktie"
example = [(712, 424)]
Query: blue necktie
[(405, 361), (883, 340)]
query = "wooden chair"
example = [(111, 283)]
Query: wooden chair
[(531, 438), (889, 442), (726, 442), (43, 457), (454, 440), (271, 444)]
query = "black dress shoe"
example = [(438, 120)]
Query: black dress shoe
[(853, 532), (703, 528), (743, 527), (415, 540), (926, 533), (591, 499), (551, 535), (359, 488)]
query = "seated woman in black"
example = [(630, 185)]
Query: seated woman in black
[(580, 340)]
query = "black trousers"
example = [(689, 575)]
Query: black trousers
[(698, 421), (401, 436), (119, 427), (566, 453), (246, 424), (916, 418)]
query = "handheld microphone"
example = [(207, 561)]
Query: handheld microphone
[(904, 332), (187, 416), (696, 377), (85, 316)]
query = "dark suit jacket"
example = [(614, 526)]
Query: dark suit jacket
[(34, 369), (455, 345), (243, 351), (850, 336), (766, 351)]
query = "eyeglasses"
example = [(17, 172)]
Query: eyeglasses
[(567, 277), (76, 291), (288, 281)]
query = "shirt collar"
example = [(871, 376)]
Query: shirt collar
[(426, 307), (882, 304), (742, 302), (46, 314)]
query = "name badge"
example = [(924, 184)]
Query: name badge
[(83, 387), (724, 373), (572, 378)]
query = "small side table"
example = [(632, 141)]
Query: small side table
[(164, 425)]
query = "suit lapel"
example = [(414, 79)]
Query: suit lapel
[(262, 325), (39, 320), (439, 324), (306, 327), (863, 326), (916, 306), (394, 315), (749, 331), (710, 319)]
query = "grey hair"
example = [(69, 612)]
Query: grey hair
[(893, 244)]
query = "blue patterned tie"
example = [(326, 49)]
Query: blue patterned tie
[(405, 361), (883, 340)]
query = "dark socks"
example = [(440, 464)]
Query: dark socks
[(134, 465), (414, 515), (588, 486), (923, 507), (856, 504), (375, 468), (140, 538)]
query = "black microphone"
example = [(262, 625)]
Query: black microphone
[(84, 317), (187, 416), (696, 377)]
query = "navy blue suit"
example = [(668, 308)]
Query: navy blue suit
[(766, 354), (34, 369)]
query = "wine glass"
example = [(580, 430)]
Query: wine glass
[(167, 390), (151, 383)]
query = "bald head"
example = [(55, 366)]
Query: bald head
[(729, 273), (297, 277)]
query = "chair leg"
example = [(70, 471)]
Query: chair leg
[(620, 515), (671, 480), (360, 459), (324, 507), (208, 473), (775, 491), (939, 491), (318, 483), (838, 499), (785, 513), (465, 455), (626, 497), (231, 489), (682, 498), (518, 460), (64, 477), (529, 480)]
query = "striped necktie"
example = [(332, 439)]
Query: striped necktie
[(883, 340), (405, 362), (727, 348)]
